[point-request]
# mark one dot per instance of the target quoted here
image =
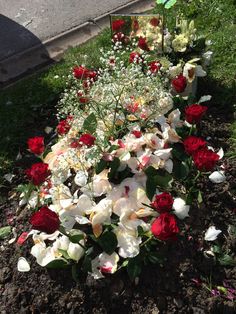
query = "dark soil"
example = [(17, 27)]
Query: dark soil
[(171, 288)]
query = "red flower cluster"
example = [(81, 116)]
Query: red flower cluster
[(179, 83), (36, 145), (193, 143), (119, 37), (137, 134), (205, 159), (194, 113), (45, 220), (117, 25), (135, 25), (165, 227), (82, 98), (135, 57), (154, 66), (87, 139), (38, 173), (64, 126), (83, 73), (163, 202), (154, 22), (142, 43)]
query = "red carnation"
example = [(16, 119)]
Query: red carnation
[(154, 21), (193, 143), (142, 43), (81, 72), (64, 126), (135, 57), (154, 66), (117, 25), (205, 159), (118, 37), (36, 145), (194, 113), (38, 173), (87, 139), (163, 202), (165, 227), (135, 25), (45, 220), (137, 134), (179, 83)]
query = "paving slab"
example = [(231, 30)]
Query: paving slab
[(37, 31)]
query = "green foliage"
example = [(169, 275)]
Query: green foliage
[(58, 264), (90, 124), (134, 267), (4, 232), (108, 242)]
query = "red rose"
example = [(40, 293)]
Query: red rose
[(193, 143), (194, 113), (154, 21), (163, 202), (38, 173), (205, 159), (45, 220), (135, 57), (154, 66), (87, 139), (117, 25), (142, 43), (179, 83), (165, 227), (81, 72), (64, 126), (137, 134), (36, 145), (135, 25)]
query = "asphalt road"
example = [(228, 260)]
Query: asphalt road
[(24, 23)]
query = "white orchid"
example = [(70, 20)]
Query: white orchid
[(128, 242)]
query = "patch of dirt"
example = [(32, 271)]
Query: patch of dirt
[(172, 288)]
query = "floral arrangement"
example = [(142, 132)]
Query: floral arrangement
[(112, 190)]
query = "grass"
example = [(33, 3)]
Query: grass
[(21, 103)]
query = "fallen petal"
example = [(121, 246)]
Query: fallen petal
[(212, 234), (23, 265), (217, 177)]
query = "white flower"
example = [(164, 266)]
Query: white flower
[(180, 208), (128, 242), (75, 251), (217, 177), (81, 178), (23, 265), (211, 234), (108, 263)]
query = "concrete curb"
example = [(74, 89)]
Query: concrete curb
[(35, 58)]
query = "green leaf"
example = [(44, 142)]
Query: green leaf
[(76, 236), (64, 253), (87, 264), (4, 232), (108, 242), (227, 260), (178, 152), (115, 164), (90, 123), (100, 166), (180, 169), (134, 267), (74, 272), (199, 197), (156, 178), (58, 264)]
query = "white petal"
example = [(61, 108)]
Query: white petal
[(220, 153), (217, 177), (75, 251), (212, 233), (81, 178), (204, 98), (180, 208), (23, 265)]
